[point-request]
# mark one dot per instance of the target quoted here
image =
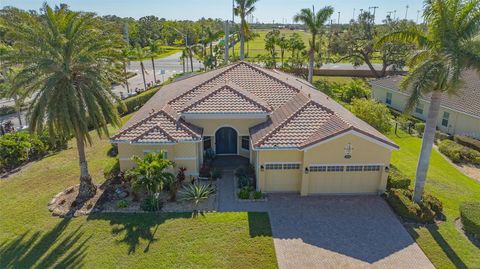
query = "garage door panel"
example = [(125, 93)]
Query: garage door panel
[(282, 181)]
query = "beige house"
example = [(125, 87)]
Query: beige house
[(297, 138), (459, 114)]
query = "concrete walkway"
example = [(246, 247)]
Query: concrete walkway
[(332, 232)]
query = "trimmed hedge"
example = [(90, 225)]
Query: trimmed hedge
[(19, 148), (420, 128), (468, 142), (397, 180), (470, 216), (442, 136), (458, 153), (134, 103), (425, 211)]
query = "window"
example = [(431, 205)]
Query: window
[(389, 98), (370, 168), (354, 168), (207, 142), (445, 118), (291, 166), (273, 166), (335, 168), (318, 168), (246, 142), (419, 109)]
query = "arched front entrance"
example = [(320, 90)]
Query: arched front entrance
[(226, 141)]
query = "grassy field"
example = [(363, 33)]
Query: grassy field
[(339, 80), (257, 46), (31, 238), (443, 244)]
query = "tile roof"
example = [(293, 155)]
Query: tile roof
[(226, 98), (298, 114), (160, 127), (467, 100)]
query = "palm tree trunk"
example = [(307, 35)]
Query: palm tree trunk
[(143, 74), (18, 107), (427, 144), (87, 188), (211, 49), (191, 61), (183, 63), (126, 77), (282, 53), (242, 41), (154, 75), (311, 59)]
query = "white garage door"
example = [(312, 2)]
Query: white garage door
[(343, 179), (282, 177)]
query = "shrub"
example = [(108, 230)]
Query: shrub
[(397, 180), (205, 171), (243, 181), (122, 204), (152, 203), (135, 102), (53, 143), (374, 113), (442, 136), (468, 142), (257, 195), (451, 149), (420, 128), (433, 202), (356, 89), (181, 174), (112, 169), (401, 202), (244, 194), (458, 153), (470, 216), (18, 148)]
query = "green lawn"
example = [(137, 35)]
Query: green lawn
[(339, 80), (31, 238), (257, 46), (443, 244)]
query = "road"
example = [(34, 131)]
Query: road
[(171, 64)]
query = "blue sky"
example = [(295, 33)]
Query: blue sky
[(267, 10)]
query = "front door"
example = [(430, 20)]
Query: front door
[(226, 141)]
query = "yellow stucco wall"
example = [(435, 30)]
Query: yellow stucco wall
[(458, 123), (332, 152), (183, 154)]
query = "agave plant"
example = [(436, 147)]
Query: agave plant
[(196, 193)]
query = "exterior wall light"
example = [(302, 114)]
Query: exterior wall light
[(262, 168), (306, 170), (387, 169), (348, 151)]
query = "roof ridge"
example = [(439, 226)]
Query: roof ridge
[(227, 69), (182, 124), (283, 123), (137, 123), (258, 69), (156, 126)]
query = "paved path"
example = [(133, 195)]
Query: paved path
[(332, 232)]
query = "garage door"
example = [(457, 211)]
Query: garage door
[(340, 179), (282, 177)]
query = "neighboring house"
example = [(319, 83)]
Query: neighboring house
[(459, 114), (297, 138)]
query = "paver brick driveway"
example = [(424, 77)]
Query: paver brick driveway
[(340, 232), (332, 231)]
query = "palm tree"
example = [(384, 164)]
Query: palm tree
[(445, 50), (212, 36), (151, 172), (314, 22), (126, 55), (6, 87), (153, 50), (243, 9), (284, 45), (139, 54), (68, 61)]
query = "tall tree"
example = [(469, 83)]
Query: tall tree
[(271, 40), (242, 10), (447, 48), (314, 23), (126, 55), (138, 53), (284, 44), (68, 62), (153, 50)]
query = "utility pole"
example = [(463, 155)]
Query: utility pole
[(406, 12), (339, 18), (353, 18), (374, 12), (418, 15)]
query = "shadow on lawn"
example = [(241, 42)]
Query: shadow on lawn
[(136, 227), (259, 224), (447, 249), (45, 251)]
